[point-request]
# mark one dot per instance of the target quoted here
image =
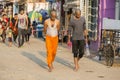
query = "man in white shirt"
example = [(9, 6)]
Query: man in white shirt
[(51, 27), (22, 27)]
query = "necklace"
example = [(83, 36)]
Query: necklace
[(52, 23)]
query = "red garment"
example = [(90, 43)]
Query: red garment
[(7, 20)]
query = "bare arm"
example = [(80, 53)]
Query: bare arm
[(70, 30), (45, 26), (85, 35), (58, 26), (85, 31), (16, 23), (69, 38), (27, 21)]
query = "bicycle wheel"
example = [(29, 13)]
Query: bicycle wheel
[(109, 55)]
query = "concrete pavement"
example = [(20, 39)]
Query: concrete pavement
[(29, 63)]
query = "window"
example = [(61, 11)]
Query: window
[(89, 10), (89, 2), (94, 11), (92, 19)]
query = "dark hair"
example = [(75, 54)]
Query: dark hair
[(21, 9), (16, 14), (4, 15)]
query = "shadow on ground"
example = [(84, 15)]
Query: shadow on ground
[(59, 60), (35, 59)]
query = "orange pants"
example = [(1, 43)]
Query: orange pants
[(51, 45)]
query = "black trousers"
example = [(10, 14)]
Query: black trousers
[(4, 35), (28, 33), (78, 48), (27, 37), (21, 36), (14, 37)]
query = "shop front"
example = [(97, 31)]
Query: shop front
[(6, 7)]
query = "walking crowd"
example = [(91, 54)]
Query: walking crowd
[(16, 27)]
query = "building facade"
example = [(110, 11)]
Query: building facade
[(89, 9), (92, 17), (94, 12), (117, 10), (106, 10)]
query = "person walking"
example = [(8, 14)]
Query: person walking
[(28, 31), (22, 27), (15, 27), (51, 28), (34, 25), (4, 21), (77, 27), (9, 34)]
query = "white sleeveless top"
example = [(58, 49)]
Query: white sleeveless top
[(52, 31)]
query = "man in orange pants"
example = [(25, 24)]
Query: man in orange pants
[(51, 27)]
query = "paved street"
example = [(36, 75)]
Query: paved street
[(29, 63)]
